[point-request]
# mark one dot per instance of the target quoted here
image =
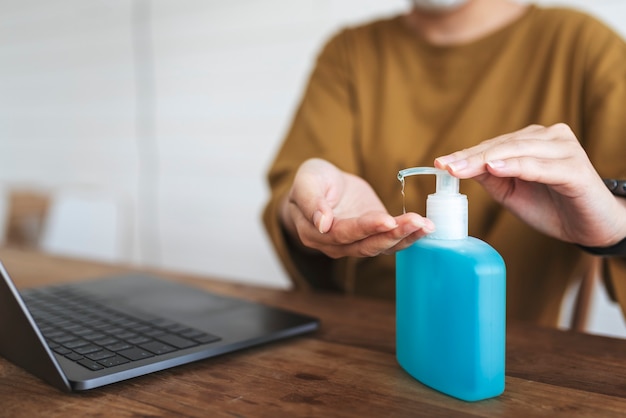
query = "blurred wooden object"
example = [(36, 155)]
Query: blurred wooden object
[(27, 212), (591, 272), (86, 224)]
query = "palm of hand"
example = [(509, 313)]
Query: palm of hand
[(354, 197)]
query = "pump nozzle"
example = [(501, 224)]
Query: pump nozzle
[(447, 208), (446, 183)]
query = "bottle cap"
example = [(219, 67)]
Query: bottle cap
[(447, 208)]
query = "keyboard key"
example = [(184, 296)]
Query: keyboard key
[(74, 356), (126, 335), (100, 325), (176, 341), (94, 336), (127, 322), (91, 365), (106, 341), (52, 333), (85, 333), (157, 347), (99, 355), (138, 340), (207, 338), (91, 348), (112, 330), (63, 338), (62, 350), (75, 344), (155, 333), (118, 346), (142, 328), (161, 322), (177, 328), (135, 353), (192, 333), (73, 328), (113, 361)]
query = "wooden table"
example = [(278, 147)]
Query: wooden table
[(346, 369)]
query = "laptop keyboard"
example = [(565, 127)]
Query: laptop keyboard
[(95, 336)]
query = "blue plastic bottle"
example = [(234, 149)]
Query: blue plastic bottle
[(450, 301)]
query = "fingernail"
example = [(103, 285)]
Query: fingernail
[(424, 224), (496, 164), (387, 225), (429, 226), (458, 165), (410, 228), (318, 220), (443, 161)]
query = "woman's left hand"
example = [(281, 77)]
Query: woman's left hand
[(543, 175)]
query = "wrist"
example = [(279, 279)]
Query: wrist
[(617, 188)]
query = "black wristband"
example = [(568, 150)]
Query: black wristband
[(617, 250), (618, 188)]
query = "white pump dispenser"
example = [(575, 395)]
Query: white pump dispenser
[(447, 208)]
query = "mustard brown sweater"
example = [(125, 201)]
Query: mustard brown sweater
[(380, 99)]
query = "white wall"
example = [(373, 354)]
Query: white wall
[(170, 109)]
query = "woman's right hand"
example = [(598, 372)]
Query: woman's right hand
[(340, 215)]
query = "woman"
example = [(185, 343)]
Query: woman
[(525, 102)]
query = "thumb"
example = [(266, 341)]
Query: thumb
[(314, 182), (323, 217)]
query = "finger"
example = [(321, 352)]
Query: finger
[(343, 231), (551, 172), (308, 194), (473, 164), (531, 131), (313, 233), (410, 222), (383, 243), (347, 231), (323, 217), (445, 160), (406, 242), (411, 227)]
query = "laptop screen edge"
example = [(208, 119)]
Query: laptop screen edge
[(21, 342)]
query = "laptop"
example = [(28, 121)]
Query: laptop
[(84, 335)]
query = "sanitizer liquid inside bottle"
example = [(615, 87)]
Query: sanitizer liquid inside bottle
[(450, 301)]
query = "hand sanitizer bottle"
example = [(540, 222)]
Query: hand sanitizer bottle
[(450, 301)]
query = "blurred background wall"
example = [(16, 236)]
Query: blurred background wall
[(148, 125)]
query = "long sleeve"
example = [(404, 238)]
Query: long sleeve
[(323, 127)]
